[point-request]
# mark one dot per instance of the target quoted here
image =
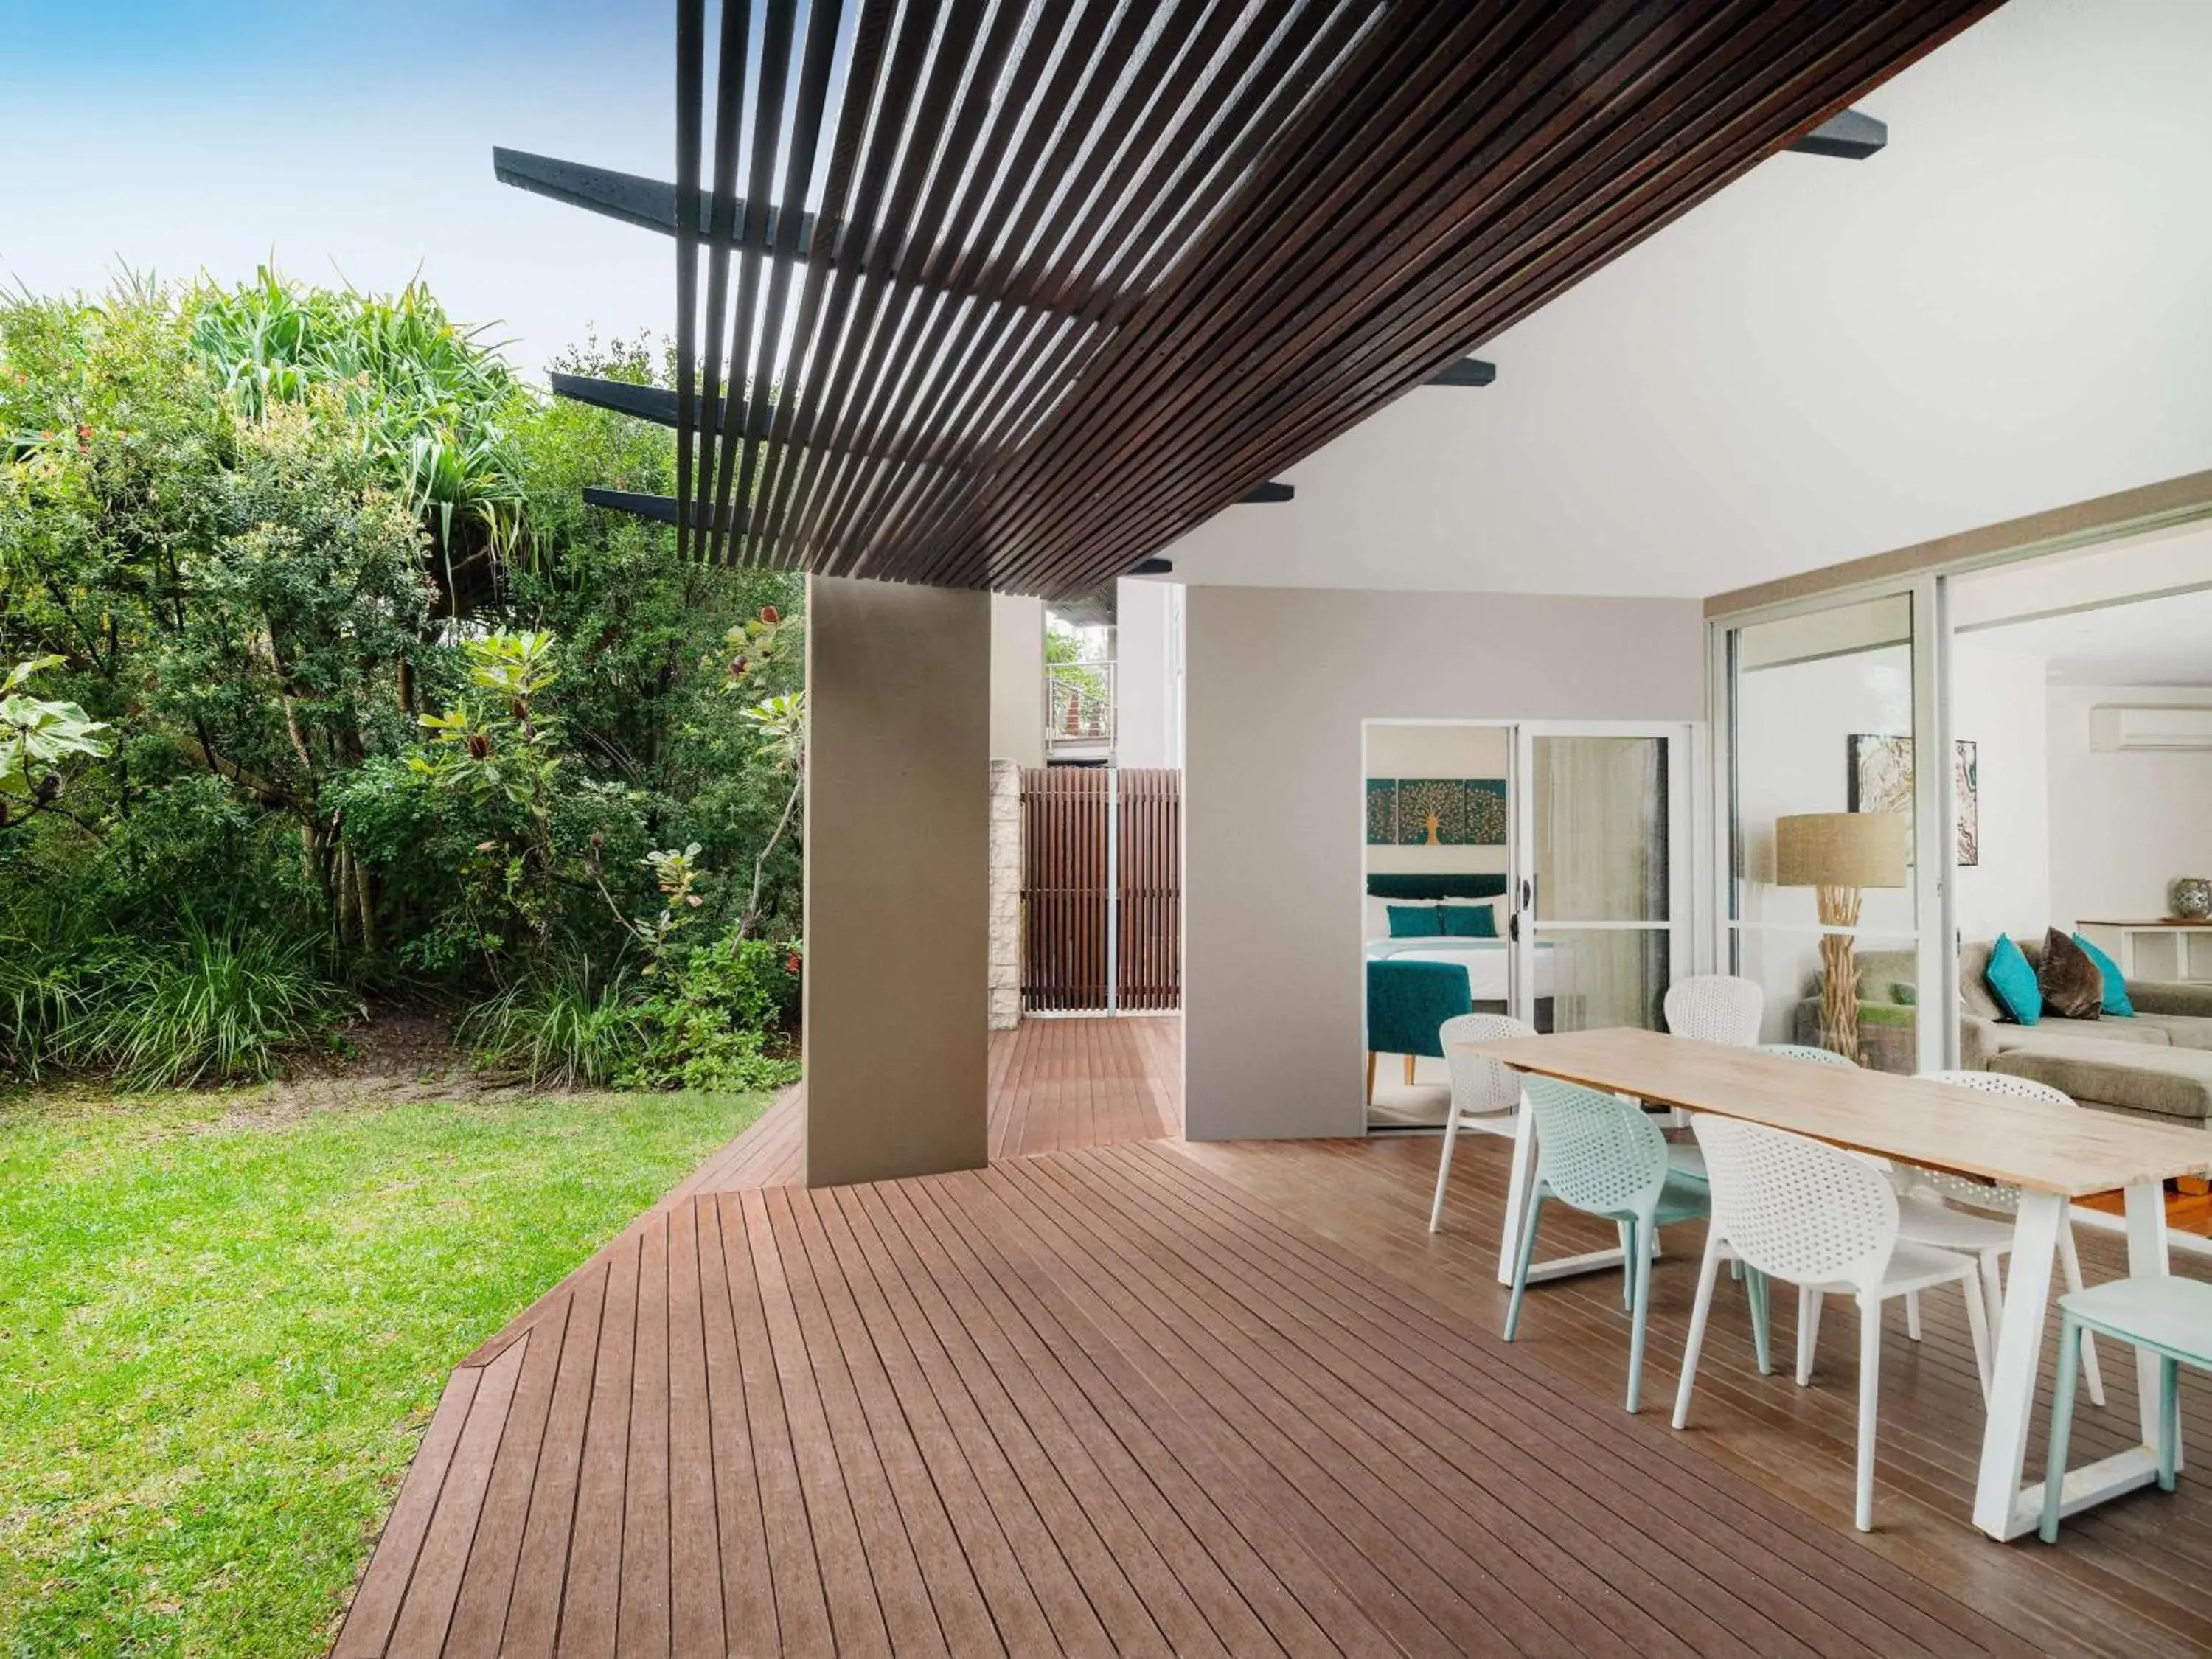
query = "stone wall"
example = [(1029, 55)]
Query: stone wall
[(1005, 929)]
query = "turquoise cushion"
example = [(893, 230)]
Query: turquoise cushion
[(2116, 988), (1470, 920), (2012, 982), (1416, 922)]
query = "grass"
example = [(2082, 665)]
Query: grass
[(220, 1340)]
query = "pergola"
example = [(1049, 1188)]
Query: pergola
[(1008, 295)]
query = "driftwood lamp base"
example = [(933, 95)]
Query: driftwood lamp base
[(1839, 974)]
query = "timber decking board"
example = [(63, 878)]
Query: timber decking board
[(1145, 1397), (2128, 1578)]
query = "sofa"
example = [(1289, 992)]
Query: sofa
[(2156, 1065)]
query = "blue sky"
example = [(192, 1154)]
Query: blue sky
[(350, 140)]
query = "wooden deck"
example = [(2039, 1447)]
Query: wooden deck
[(1139, 1397)]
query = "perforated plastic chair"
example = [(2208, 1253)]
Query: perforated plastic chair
[(1807, 1051), (2173, 1318), (1716, 1008), (1600, 1154), (1710, 1008), (1927, 1215), (1824, 1220), (1486, 1094)]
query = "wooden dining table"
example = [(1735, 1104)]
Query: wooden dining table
[(2052, 1153)]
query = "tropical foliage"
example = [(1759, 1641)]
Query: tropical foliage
[(321, 683)]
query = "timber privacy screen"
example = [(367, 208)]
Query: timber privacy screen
[(1102, 890), (1010, 294)]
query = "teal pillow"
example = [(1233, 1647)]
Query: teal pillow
[(2012, 982), (1416, 922), (2116, 988), (1469, 920)]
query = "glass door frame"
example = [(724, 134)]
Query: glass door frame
[(1935, 808), (1688, 885)]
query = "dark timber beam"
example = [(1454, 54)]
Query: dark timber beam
[(1267, 495), (658, 404), (651, 205), (1154, 567), (1468, 371), (661, 509), (1849, 136)]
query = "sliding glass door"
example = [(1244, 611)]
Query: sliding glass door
[(1836, 850), (1602, 857)]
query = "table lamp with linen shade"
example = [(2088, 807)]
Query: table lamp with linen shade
[(1840, 855)]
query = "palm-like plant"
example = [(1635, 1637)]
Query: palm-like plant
[(437, 401)]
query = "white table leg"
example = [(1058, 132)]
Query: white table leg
[(2004, 1508), (1519, 1186), (1999, 1507)]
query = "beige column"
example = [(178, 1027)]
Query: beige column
[(898, 689)]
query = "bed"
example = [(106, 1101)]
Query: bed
[(1485, 959)]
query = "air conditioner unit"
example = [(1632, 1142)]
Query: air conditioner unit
[(2122, 729)]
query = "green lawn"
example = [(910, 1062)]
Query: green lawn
[(219, 1344)]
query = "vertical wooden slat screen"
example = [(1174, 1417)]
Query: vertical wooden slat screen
[(1150, 975), (1063, 892), (1071, 898)]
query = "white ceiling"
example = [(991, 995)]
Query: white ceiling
[(2163, 641), (2003, 312)]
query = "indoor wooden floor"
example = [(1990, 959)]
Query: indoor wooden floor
[(1139, 1397)]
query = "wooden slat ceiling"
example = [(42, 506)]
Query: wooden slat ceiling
[(1068, 277)]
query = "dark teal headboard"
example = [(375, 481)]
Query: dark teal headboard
[(1435, 887)]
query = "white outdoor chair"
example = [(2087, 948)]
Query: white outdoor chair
[(1825, 1220), (1485, 1095), (1927, 1216), (1710, 1008), (1809, 1053), (1716, 1008)]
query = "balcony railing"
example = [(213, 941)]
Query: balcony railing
[(1079, 708)]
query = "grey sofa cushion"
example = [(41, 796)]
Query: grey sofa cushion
[(2172, 996), (2063, 1033), (2182, 1030), (2154, 1082)]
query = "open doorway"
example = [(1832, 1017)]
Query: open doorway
[(1522, 868), (2082, 687)]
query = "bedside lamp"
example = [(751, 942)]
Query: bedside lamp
[(1841, 855)]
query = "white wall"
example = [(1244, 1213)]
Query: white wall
[(1279, 683), (1437, 751), (1998, 701), (1017, 680), (1147, 653), (2123, 826)]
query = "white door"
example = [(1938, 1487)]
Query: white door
[(1601, 861)]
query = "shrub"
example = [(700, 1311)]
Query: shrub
[(42, 993), (712, 1028), (214, 1006), (560, 1028)]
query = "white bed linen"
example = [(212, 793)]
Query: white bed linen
[(1484, 960)]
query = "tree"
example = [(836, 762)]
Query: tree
[(253, 535), (36, 737)]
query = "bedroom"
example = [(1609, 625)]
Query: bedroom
[(1519, 868)]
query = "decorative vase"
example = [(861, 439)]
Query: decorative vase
[(2190, 897)]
